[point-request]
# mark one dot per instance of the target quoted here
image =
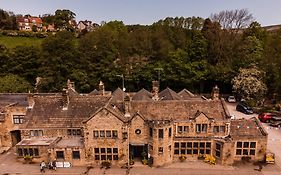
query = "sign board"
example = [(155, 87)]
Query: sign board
[(63, 164)]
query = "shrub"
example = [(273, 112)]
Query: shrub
[(182, 158)]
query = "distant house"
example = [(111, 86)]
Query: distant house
[(86, 25), (49, 28), (27, 22)]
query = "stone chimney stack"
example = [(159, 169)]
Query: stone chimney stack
[(70, 85), (127, 105), (155, 90), (101, 88), (215, 93), (30, 100), (65, 99)]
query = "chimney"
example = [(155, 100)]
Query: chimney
[(65, 99), (215, 93), (30, 100), (101, 88), (70, 85), (127, 105), (155, 90)]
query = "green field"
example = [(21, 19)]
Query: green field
[(12, 41)]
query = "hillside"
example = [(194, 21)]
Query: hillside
[(12, 41)]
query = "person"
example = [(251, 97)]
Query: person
[(54, 165), (50, 165), (42, 166)]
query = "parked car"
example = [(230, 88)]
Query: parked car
[(275, 121), (268, 117), (242, 107), (231, 99)]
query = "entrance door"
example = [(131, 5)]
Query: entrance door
[(16, 138), (138, 151)]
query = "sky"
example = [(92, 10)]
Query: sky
[(266, 12)]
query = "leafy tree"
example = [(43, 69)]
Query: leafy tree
[(7, 20), (23, 61), (59, 59), (63, 19), (13, 83), (249, 84)]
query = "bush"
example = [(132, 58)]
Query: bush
[(106, 164), (182, 158), (144, 161), (210, 159)]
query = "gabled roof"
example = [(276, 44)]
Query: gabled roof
[(179, 109), (48, 112), (198, 113), (118, 95), (246, 127), (94, 92), (169, 94), (142, 95), (186, 94)]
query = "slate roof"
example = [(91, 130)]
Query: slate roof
[(94, 92), (179, 110), (48, 112), (142, 95), (13, 98), (118, 95), (169, 94), (186, 94), (246, 127), (38, 141)]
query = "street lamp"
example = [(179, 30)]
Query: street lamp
[(123, 86)]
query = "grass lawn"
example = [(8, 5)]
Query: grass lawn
[(12, 41)]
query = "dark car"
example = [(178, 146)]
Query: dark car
[(275, 121), (242, 107), (268, 117)]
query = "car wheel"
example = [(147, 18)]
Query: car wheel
[(267, 121)]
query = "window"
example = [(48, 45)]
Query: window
[(114, 134), (160, 133), (150, 132), (183, 129), (222, 129), (192, 148), (102, 134), (245, 148), (75, 154), (107, 133), (36, 133), (60, 154), (106, 153), (218, 150), (28, 152), (18, 119), (74, 132), (219, 129), (160, 150), (201, 128), (170, 132), (216, 129), (96, 134)]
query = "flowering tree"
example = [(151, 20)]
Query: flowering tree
[(248, 83)]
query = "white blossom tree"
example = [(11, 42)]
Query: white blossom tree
[(249, 84)]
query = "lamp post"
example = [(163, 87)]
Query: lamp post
[(123, 84)]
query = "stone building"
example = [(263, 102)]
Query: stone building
[(124, 127)]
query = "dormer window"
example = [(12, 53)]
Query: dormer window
[(201, 128), (183, 129)]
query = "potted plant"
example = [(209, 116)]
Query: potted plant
[(182, 158), (28, 159), (144, 161)]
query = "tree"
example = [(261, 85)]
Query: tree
[(249, 84), (63, 19), (59, 59), (13, 83), (233, 19), (7, 20)]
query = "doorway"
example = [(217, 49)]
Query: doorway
[(138, 152), (16, 137)]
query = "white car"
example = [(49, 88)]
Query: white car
[(231, 99)]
